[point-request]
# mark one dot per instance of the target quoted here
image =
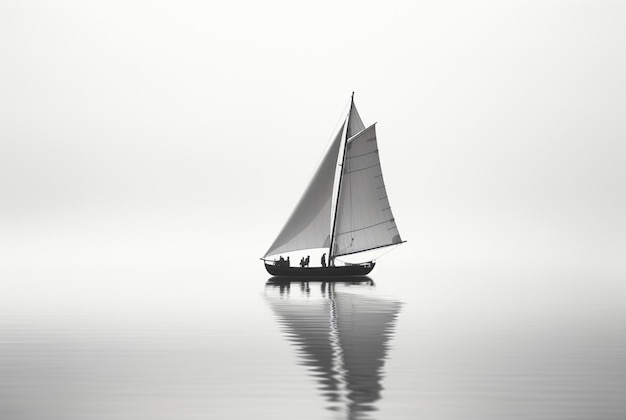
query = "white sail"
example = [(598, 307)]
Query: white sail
[(364, 219), (351, 218), (355, 124), (309, 224)]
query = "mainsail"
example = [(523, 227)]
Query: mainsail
[(358, 217), (364, 218)]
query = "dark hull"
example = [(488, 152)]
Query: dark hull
[(315, 272)]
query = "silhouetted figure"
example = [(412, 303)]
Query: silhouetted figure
[(306, 261), (281, 261), (324, 260), (288, 262), (302, 262)]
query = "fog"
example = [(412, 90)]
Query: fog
[(180, 134)]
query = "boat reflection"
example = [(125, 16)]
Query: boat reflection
[(341, 331)]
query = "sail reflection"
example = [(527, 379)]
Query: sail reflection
[(341, 332)]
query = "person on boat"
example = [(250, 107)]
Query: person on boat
[(288, 263), (302, 262), (306, 261), (281, 261), (324, 260)]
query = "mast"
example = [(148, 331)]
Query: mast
[(331, 258)]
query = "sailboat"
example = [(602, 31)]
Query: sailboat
[(344, 210)]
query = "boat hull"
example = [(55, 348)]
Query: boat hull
[(313, 272)]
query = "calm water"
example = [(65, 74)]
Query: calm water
[(436, 344)]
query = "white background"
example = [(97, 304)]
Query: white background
[(183, 133)]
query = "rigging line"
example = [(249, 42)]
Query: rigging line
[(364, 154), (362, 169), (342, 250), (370, 249), (366, 227), (333, 134), (390, 248)]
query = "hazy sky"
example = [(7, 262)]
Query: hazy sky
[(159, 131)]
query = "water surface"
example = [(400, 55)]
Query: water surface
[(444, 344)]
